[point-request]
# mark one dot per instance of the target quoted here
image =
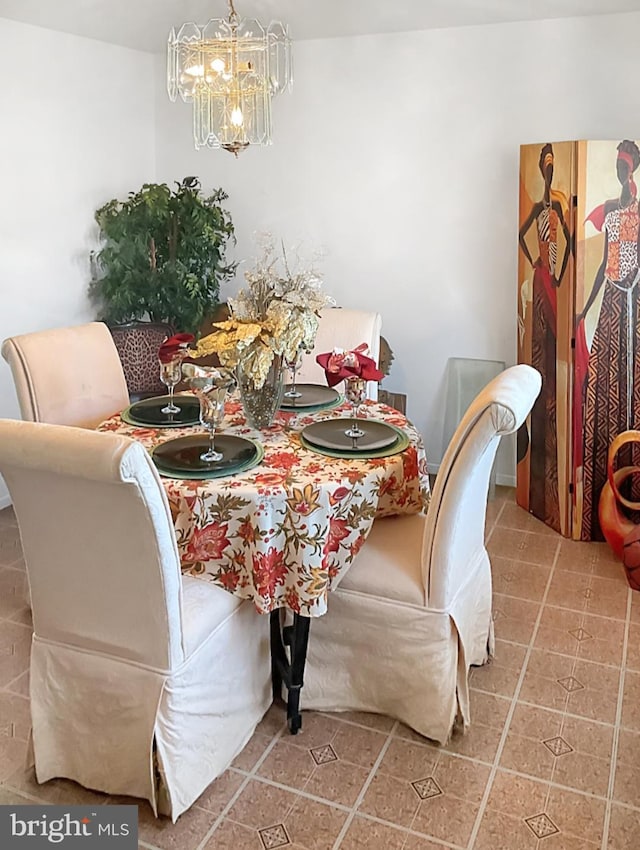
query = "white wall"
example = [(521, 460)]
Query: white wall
[(76, 129), (399, 154)]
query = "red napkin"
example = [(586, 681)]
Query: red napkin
[(170, 347), (338, 365)]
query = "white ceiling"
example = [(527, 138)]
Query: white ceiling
[(144, 24)]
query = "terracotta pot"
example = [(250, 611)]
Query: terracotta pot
[(619, 531)]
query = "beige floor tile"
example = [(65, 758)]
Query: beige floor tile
[(14, 593), (517, 796), (480, 742), (357, 745), (15, 716), (20, 685), (7, 518), (594, 558), (501, 832), (577, 815), (274, 721), (13, 757), (186, 834), (461, 778), (317, 729), (390, 799), (598, 639), (494, 508), (631, 701), (516, 578), (288, 764), (514, 619), (254, 749), (523, 545), (633, 648), (588, 593), (500, 676), (15, 647), (635, 607), (513, 516), (434, 819), (221, 790), (525, 755), (10, 547), (624, 829), (337, 781), (408, 760), (233, 836), (364, 718), (627, 783), (365, 834), (314, 826), (582, 772), (489, 709), (629, 748), (261, 805), (564, 683)]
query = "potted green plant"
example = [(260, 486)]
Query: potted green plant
[(162, 261)]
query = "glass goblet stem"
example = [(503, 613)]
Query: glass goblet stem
[(211, 455), (355, 391)]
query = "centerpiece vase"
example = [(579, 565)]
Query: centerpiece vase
[(260, 404)]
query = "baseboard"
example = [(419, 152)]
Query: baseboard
[(506, 480), (502, 480), (5, 501)]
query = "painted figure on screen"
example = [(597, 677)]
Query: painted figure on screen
[(608, 369), (548, 256)]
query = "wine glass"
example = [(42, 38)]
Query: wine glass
[(355, 389), (210, 386), (211, 415), (170, 374), (293, 365)]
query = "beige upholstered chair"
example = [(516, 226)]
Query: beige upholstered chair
[(346, 329), (414, 610), (143, 682), (67, 376)]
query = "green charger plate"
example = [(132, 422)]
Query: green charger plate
[(316, 408), (403, 442), (312, 397), (147, 412), (179, 458)]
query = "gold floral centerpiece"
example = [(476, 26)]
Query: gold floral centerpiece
[(271, 321)]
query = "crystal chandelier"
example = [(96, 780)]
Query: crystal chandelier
[(230, 70)]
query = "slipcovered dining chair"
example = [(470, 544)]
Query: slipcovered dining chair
[(67, 376), (342, 328), (414, 610), (143, 682)]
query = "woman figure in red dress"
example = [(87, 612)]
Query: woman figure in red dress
[(549, 216), (611, 391)]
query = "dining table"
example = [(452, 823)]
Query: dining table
[(283, 530)]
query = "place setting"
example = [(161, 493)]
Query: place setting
[(193, 456), (167, 411), (306, 398), (361, 438)]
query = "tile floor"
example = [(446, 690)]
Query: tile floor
[(552, 761)]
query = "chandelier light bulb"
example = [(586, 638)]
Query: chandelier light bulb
[(229, 70)]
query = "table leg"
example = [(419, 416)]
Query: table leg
[(289, 670)]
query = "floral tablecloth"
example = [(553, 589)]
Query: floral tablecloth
[(282, 533)]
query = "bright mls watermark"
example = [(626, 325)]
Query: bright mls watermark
[(90, 827)]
